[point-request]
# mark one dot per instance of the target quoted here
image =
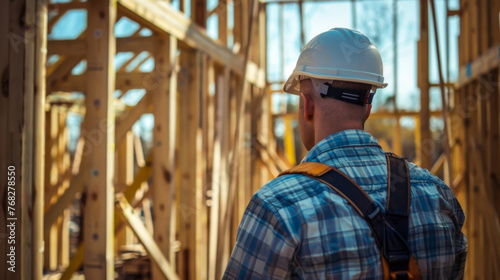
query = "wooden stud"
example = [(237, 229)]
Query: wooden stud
[(474, 28), (124, 177), (222, 15), (63, 161), (164, 110), (199, 12), (201, 217), (99, 120), (51, 180), (4, 126), (423, 84), (188, 118), (219, 173), (39, 148), (494, 23), (484, 26)]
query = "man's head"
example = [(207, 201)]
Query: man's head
[(320, 116), (334, 76)]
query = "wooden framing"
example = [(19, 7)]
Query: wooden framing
[(185, 125), (213, 134)]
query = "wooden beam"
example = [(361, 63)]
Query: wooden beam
[(60, 71), (154, 251), (161, 17), (164, 110), (480, 66), (135, 80), (78, 47), (99, 120)]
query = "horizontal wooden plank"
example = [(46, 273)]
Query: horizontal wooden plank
[(135, 80), (483, 64), (79, 46), (159, 16)]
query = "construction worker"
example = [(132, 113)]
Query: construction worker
[(350, 210)]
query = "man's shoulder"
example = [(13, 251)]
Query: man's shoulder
[(289, 189), (421, 175)]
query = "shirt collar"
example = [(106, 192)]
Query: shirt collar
[(342, 139)]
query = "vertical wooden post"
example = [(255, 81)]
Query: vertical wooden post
[(199, 12), (51, 180), (222, 13), (100, 130), (189, 161), (63, 162), (164, 99), (237, 36), (39, 159), (124, 178), (219, 173), (4, 127), (201, 254), (397, 146), (17, 63), (423, 83)]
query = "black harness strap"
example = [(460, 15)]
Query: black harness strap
[(390, 229), (397, 213)]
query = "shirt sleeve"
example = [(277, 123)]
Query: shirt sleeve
[(459, 238), (264, 248), (460, 243)]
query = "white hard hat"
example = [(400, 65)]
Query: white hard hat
[(338, 54)]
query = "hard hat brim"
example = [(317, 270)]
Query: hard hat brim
[(292, 85)]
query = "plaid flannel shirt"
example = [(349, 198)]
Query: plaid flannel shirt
[(295, 227)]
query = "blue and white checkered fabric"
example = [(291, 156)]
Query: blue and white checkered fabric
[(298, 228)]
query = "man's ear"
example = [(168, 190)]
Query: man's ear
[(308, 107), (368, 111)]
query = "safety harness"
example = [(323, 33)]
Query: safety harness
[(390, 229)]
